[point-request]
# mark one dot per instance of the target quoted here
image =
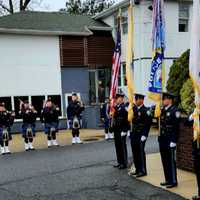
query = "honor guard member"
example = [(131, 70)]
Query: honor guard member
[(74, 111), (106, 119), (29, 115), (6, 121), (169, 125), (49, 117), (120, 128), (141, 124), (196, 156)]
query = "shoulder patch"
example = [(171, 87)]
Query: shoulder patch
[(148, 112)]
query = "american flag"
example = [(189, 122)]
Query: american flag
[(115, 68)]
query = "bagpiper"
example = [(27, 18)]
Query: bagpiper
[(106, 119), (74, 116), (6, 121), (49, 117), (29, 115)]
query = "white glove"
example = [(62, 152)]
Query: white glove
[(172, 145), (128, 133), (190, 118), (123, 134), (143, 138)]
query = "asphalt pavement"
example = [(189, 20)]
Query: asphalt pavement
[(79, 172)]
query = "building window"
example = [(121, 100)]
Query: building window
[(99, 80), (124, 22), (56, 99), (122, 75), (92, 91), (183, 17), (37, 102), (7, 101), (17, 104)]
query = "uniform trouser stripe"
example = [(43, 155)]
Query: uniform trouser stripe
[(125, 154), (143, 159), (173, 165)]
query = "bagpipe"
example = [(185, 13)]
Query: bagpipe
[(76, 123), (5, 135), (52, 131), (30, 109), (29, 132)]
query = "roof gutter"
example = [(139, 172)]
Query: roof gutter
[(41, 32), (97, 28)]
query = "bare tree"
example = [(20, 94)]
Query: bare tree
[(12, 6)]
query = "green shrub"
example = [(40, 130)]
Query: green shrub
[(178, 75), (187, 97)]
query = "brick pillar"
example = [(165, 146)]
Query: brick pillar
[(184, 147)]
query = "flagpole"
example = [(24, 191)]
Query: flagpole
[(129, 61)]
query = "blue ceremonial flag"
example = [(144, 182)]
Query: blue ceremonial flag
[(155, 82), (157, 75)]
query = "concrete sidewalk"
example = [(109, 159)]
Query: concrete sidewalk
[(63, 137), (187, 181)]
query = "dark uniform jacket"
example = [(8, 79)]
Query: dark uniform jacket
[(6, 119), (28, 116), (120, 119), (74, 109), (169, 125), (141, 122), (50, 115)]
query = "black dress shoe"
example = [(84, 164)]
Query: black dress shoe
[(196, 198), (133, 173), (140, 174), (172, 185), (116, 165), (122, 167), (164, 183)]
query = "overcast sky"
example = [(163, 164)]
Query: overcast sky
[(54, 5)]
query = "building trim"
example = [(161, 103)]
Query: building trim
[(97, 28), (150, 58), (122, 4), (42, 32), (87, 31)]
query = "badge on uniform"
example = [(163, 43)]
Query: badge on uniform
[(139, 113), (168, 114), (178, 114), (148, 113)]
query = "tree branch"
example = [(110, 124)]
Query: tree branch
[(4, 7), (11, 6), (21, 5), (25, 4)]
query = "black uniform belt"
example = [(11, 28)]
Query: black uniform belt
[(166, 131), (138, 127)]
